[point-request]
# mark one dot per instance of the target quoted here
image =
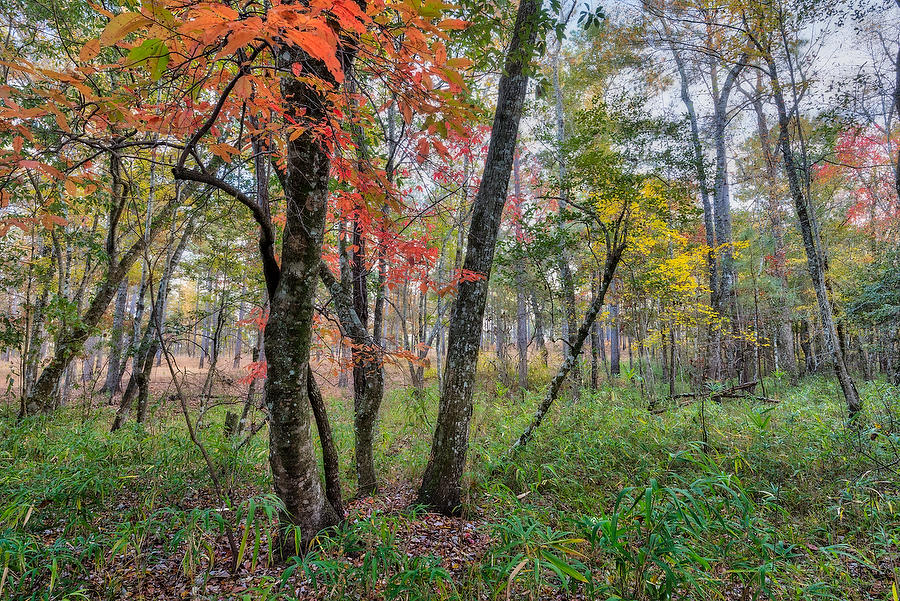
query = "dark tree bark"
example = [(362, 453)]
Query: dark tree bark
[(615, 345), (441, 483), (288, 336), (291, 288), (330, 458), (539, 329)]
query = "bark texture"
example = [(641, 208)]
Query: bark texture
[(441, 483)]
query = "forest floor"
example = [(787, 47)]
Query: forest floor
[(609, 501)]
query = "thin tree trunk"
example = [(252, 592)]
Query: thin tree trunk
[(71, 341), (539, 329), (114, 367), (330, 458), (614, 253), (813, 246), (714, 347), (615, 346), (565, 270)]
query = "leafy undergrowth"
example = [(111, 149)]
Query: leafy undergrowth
[(609, 501)]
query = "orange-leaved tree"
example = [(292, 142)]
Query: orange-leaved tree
[(271, 80)]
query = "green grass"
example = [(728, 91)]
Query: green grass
[(609, 501)]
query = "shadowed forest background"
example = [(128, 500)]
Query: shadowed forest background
[(358, 299)]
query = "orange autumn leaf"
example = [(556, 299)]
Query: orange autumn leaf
[(89, 50)]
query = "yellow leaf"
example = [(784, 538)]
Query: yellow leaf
[(459, 63), (72, 188), (120, 26)]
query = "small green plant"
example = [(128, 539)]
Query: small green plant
[(530, 548), (760, 417)]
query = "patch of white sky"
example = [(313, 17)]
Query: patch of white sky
[(835, 52)]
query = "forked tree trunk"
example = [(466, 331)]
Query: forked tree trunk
[(441, 483)]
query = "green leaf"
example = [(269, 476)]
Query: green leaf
[(153, 54), (563, 567)]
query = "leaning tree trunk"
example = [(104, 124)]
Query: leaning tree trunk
[(812, 245), (614, 253), (441, 483), (70, 342)]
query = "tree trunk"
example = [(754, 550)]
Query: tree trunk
[(147, 344), (539, 329), (714, 347), (784, 344), (813, 246), (615, 346), (565, 270), (239, 335), (614, 253), (114, 367), (722, 210), (330, 458), (441, 483), (71, 341)]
